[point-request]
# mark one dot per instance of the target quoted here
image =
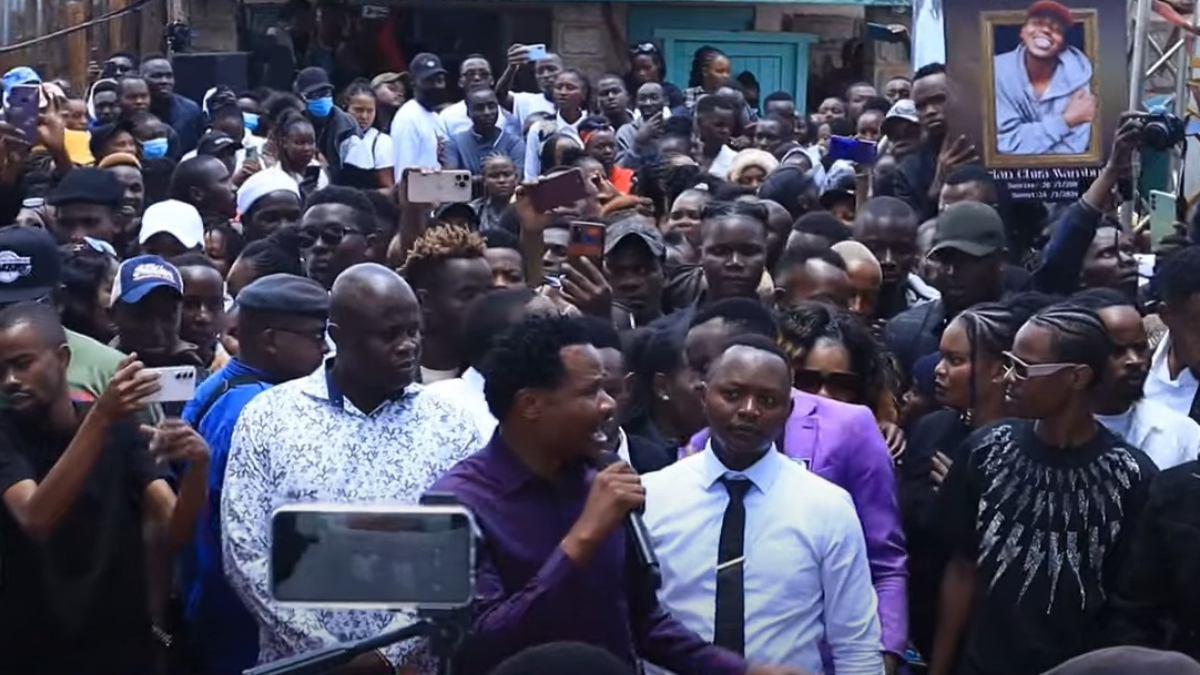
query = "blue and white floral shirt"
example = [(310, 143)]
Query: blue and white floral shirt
[(304, 442)]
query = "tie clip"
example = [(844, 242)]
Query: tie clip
[(730, 563)]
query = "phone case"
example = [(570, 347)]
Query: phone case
[(1162, 215), (536, 52), (562, 190), (446, 187), (178, 383), (586, 241)]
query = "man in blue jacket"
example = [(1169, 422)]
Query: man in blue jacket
[(281, 328), (1044, 103)]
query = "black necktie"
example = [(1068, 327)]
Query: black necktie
[(730, 623)]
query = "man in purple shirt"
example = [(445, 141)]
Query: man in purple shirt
[(553, 565), (837, 441)]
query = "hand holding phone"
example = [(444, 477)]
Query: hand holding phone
[(176, 384), (1162, 216), (22, 110)]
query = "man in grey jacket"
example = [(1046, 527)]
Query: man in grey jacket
[(1044, 103)]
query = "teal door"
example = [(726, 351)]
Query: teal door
[(779, 61)]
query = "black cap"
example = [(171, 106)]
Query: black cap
[(971, 227), (448, 209), (312, 79), (215, 142), (425, 65), (30, 268), (87, 185), (285, 294), (638, 228)]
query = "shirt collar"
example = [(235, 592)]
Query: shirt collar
[(474, 378), (497, 132), (320, 385), (762, 473)]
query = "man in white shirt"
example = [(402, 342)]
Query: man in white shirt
[(475, 73), (417, 132), (714, 126), (1172, 380), (524, 104), (1170, 438), (486, 318), (758, 554)]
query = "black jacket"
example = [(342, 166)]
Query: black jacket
[(1157, 598)]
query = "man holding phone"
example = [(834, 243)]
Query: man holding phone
[(78, 484)]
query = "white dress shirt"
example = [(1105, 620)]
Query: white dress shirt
[(806, 572), (415, 132), (1175, 394), (1169, 438), (300, 442), (467, 392)]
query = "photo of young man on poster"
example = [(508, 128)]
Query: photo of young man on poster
[(1044, 101)]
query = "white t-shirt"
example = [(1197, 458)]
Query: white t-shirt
[(526, 104), (721, 163), (455, 120), (374, 152), (415, 134)]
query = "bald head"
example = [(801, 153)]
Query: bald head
[(362, 289)]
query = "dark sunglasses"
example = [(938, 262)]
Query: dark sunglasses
[(331, 236), (813, 381)]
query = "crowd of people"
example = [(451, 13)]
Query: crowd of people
[(879, 417)]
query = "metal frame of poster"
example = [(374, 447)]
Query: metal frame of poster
[(1035, 143)]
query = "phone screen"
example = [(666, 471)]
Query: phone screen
[(586, 241), (22, 110), (372, 557)]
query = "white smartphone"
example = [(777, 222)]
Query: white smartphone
[(443, 187), (536, 52), (176, 384)]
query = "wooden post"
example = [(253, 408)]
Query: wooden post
[(77, 45), (118, 35)]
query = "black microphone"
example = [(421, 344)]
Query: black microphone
[(635, 531)]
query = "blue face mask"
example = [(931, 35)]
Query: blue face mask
[(251, 121), (155, 148), (321, 107)]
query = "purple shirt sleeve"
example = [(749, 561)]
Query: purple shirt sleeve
[(871, 481)]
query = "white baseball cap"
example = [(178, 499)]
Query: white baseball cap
[(178, 219)]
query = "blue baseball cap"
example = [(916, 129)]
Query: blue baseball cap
[(138, 276), (19, 75)]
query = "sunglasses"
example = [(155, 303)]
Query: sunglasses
[(812, 381), (331, 236), (1020, 370)]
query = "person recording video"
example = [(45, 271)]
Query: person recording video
[(552, 525)]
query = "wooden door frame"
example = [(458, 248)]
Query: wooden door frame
[(802, 41)]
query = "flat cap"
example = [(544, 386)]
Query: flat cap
[(285, 294)]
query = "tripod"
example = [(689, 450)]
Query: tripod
[(445, 630)]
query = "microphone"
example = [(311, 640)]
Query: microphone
[(635, 531)]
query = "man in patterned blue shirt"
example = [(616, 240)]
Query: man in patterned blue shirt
[(281, 324), (359, 430)]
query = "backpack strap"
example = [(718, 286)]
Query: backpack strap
[(232, 382)]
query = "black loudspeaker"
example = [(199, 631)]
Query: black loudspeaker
[(196, 73)]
